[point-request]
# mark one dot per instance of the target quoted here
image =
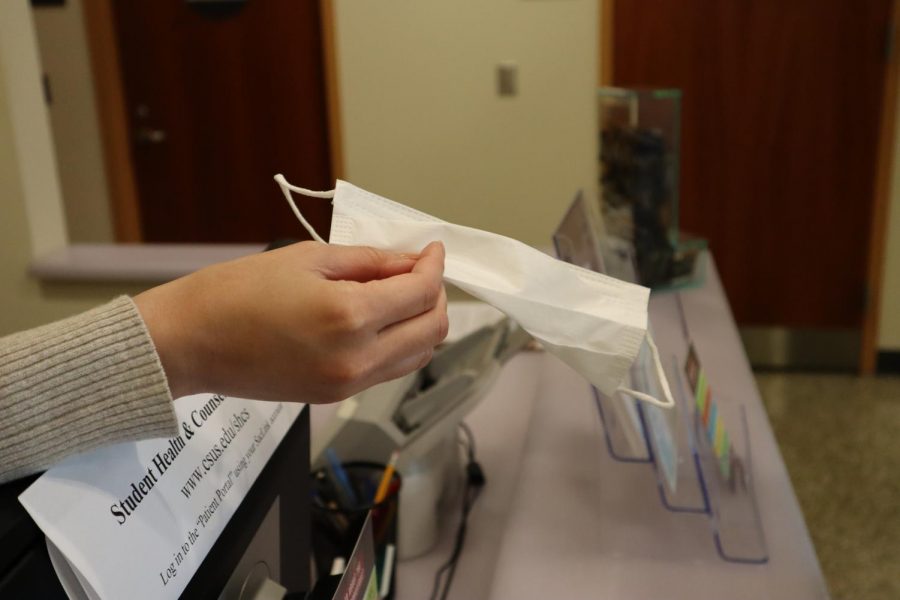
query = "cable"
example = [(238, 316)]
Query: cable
[(474, 482), (449, 567)]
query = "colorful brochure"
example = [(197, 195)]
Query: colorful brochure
[(708, 413)]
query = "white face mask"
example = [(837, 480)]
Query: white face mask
[(594, 323)]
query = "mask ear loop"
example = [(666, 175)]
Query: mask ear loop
[(287, 188), (664, 383)]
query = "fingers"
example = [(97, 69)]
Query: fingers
[(387, 322), (410, 294), (362, 263), (402, 367), (415, 337)]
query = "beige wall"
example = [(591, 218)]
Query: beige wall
[(28, 132), (423, 123), (76, 134), (31, 214)]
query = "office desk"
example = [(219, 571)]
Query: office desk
[(559, 518)]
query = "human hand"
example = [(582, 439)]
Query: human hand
[(309, 322)]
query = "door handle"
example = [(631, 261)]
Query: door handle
[(148, 135)]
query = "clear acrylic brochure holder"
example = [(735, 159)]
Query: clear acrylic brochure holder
[(671, 440), (689, 474), (576, 241), (722, 441), (737, 526)]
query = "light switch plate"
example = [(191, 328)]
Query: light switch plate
[(507, 78)]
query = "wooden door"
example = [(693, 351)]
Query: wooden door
[(220, 97), (781, 114)]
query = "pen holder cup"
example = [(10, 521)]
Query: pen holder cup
[(336, 528)]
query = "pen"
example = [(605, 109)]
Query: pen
[(339, 520), (386, 478), (387, 569), (341, 480)]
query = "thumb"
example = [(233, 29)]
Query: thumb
[(363, 263)]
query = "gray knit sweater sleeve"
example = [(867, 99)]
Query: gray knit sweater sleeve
[(79, 383)]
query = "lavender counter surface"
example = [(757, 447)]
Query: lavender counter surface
[(559, 518)]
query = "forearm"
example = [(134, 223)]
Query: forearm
[(79, 383), (309, 323)]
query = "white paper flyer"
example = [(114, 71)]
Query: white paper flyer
[(135, 520)]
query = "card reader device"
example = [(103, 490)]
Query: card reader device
[(418, 416)]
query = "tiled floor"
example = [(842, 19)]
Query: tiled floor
[(840, 438)]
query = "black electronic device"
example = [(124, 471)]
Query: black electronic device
[(268, 535)]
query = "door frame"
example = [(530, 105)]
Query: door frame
[(606, 14), (868, 351), (113, 116)]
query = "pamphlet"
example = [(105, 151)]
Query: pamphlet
[(360, 581), (136, 519), (707, 411)]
